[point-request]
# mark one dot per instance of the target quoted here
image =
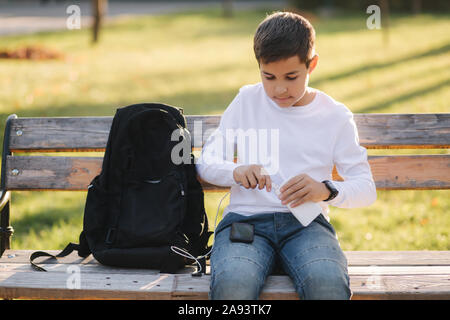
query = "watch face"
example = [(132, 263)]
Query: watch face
[(331, 185)]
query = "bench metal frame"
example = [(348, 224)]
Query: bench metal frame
[(6, 230)]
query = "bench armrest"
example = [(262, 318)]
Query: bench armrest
[(5, 197)]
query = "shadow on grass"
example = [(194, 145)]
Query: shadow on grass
[(386, 85), (445, 48), (211, 23), (193, 102), (377, 107), (46, 218)]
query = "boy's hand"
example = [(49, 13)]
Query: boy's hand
[(302, 188), (252, 175)]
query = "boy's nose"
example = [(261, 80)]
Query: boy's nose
[(280, 90)]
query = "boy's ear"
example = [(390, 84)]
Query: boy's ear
[(313, 63)]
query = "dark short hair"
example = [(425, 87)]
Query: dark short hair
[(282, 35)]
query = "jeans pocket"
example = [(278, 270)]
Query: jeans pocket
[(323, 221), (225, 222)]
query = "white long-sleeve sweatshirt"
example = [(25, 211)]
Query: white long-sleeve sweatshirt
[(287, 141)]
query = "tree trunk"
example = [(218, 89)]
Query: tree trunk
[(384, 6), (227, 8), (99, 8), (417, 6)]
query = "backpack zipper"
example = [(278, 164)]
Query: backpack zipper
[(182, 189), (153, 181), (180, 183), (177, 177)]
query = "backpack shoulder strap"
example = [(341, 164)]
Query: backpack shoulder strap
[(82, 248)]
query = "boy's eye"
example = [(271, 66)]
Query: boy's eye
[(288, 78)]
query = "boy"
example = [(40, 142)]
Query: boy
[(315, 132)]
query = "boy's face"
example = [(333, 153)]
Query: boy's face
[(285, 81)]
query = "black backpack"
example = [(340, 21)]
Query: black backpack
[(147, 197)]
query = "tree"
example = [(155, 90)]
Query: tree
[(417, 6), (385, 13), (227, 8), (98, 8)]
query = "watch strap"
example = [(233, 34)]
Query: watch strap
[(333, 191)]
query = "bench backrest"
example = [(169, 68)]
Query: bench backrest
[(21, 171)]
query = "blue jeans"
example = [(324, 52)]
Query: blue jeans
[(310, 255)]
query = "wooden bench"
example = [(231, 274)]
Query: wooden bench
[(373, 274)]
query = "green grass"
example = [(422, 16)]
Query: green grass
[(199, 60)]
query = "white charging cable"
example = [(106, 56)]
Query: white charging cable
[(186, 254)]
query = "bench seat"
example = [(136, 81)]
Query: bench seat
[(373, 275)]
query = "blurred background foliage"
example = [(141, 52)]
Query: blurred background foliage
[(413, 6)]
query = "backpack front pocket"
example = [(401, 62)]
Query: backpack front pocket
[(151, 211)]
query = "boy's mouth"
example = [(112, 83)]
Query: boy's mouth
[(282, 99)]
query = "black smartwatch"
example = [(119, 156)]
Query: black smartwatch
[(333, 191)]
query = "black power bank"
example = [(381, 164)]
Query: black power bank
[(242, 232)]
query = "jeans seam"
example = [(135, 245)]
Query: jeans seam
[(292, 271), (242, 258), (301, 253), (261, 276), (316, 260), (267, 273)]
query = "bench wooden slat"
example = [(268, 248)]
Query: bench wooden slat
[(60, 134), (404, 131), (376, 131), (400, 287), (354, 258), (418, 172), (19, 281), (51, 173), (75, 173), (54, 285), (398, 258), (98, 268)]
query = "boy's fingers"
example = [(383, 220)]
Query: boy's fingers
[(268, 184), (258, 176), (267, 179), (299, 194), (252, 180), (245, 182), (261, 181), (264, 177), (289, 194), (264, 182), (292, 182), (287, 185), (302, 200)]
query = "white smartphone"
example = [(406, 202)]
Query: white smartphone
[(306, 212)]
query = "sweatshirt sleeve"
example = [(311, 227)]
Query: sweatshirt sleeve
[(358, 188), (216, 162)]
